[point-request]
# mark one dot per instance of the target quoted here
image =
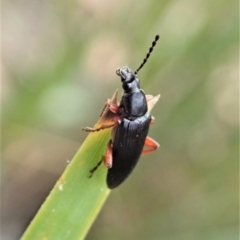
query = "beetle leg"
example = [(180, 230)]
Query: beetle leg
[(107, 160), (112, 107), (152, 144), (116, 120), (95, 168), (108, 157), (104, 126), (103, 109)]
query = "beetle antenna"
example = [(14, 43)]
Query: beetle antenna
[(148, 54)]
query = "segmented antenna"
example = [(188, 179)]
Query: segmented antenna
[(148, 55)]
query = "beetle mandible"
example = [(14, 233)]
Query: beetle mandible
[(130, 127)]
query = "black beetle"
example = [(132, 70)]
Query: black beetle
[(130, 127)]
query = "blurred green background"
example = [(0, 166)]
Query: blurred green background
[(58, 67)]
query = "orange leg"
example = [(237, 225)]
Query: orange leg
[(112, 107), (151, 144), (108, 156)]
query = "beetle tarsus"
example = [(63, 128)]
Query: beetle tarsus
[(89, 129), (94, 169)]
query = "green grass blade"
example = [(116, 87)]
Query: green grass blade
[(76, 199)]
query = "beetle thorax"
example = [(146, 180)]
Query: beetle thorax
[(133, 103)]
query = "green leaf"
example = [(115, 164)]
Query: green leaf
[(76, 199), (73, 204)]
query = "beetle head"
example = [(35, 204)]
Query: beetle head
[(126, 74), (130, 82)]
